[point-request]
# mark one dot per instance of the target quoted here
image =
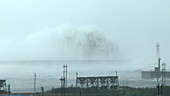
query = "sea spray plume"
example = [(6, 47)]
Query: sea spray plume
[(90, 43), (98, 45), (63, 42), (95, 45)]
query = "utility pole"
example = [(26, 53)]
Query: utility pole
[(76, 78), (61, 86), (65, 74), (62, 79), (66, 77), (35, 81), (158, 90), (42, 91), (9, 90), (164, 74), (158, 71)]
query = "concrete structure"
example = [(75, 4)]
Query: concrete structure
[(3, 87), (98, 82)]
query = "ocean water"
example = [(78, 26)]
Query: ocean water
[(20, 74)]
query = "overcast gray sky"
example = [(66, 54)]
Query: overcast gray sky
[(134, 26)]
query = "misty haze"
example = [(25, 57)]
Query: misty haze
[(88, 48)]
